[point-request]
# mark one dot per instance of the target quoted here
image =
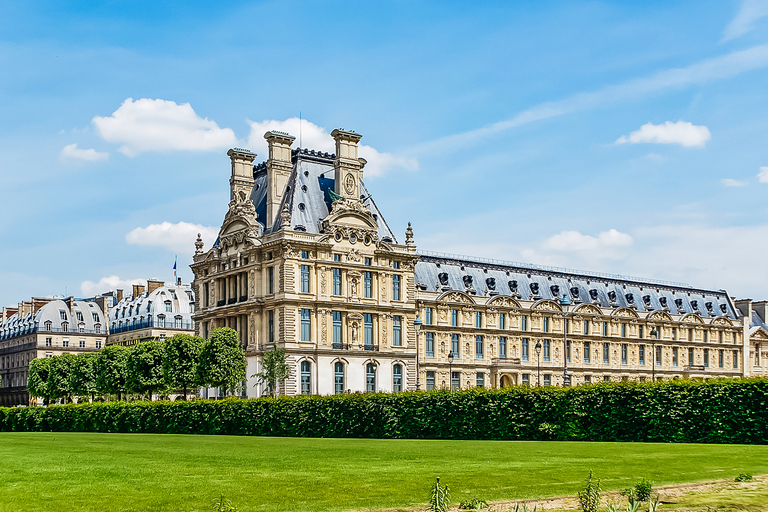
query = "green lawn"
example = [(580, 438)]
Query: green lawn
[(100, 472)]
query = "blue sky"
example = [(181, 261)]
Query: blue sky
[(622, 137)]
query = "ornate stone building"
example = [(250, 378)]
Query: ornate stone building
[(305, 261)]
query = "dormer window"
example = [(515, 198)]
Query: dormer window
[(48, 326), (95, 317), (65, 326), (81, 327), (168, 307), (62, 314), (79, 315), (173, 295)]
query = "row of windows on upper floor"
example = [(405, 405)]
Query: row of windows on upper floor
[(168, 308), (543, 349), (338, 329), (22, 359), (336, 283), (78, 315), (525, 380), (340, 378), (586, 326), (48, 327)]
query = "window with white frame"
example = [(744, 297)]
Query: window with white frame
[(397, 335), (397, 378)]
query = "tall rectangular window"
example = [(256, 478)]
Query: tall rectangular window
[(623, 330), (545, 324), (674, 333), (526, 380), (367, 285), (480, 381), (721, 358), (690, 356), (706, 336), (524, 323), (478, 347), (337, 281), (623, 353), (547, 380), (525, 349), (397, 337), (706, 358), (606, 353), (455, 380), (605, 328), (720, 336), (338, 383), (478, 320), (337, 332), (455, 345), (568, 351), (270, 279), (430, 381), (455, 317), (586, 326), (640, 332), (397, 378), (306, 325), (305, 279), (428, 316), (586, 351), (395, 287), (735, 358), (546, 350), (271, 330), (502, 347), (368, 328), (306, 378), (690, 334), (502, 321), (641, 355), (658, 356), (305, 255), (674, 356), (430, 341)]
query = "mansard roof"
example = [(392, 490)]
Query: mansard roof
[(436, 272), (756, 323), (145, 306), (53, 316), (307, 194)]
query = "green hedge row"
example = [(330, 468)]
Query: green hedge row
[(731, 411)]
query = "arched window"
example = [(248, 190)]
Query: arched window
[(48, 326), (177, 322), (306, 378), (370, 378), (397, 378), (97, 328), (168, 307), (338, 377), (64, 327), (161, 320)]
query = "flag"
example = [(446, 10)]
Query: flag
[(174, 268)]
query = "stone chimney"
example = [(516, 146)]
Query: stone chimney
[(348, 168), (745, 307), (762, 309), (104, 301), (138, 290), (8, 313), (178, 281), (241, 182), (38, 303), (119, 295), (279, 169), (153, 285)]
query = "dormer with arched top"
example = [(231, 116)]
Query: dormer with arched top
[(455, 296)]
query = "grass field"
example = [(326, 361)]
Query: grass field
[(100, 472)]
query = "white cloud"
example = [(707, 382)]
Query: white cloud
[(161, 125), (179, 238), (682, 132), (677, 78), (750, 12), (71, 152), (105, 284), (762, 176), (728, 182), (312, 136)]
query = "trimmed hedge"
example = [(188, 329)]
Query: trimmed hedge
[(732, 411)]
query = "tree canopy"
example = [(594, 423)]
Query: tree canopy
[(144, 368), (222, 360), (182, 352), (274, 369)]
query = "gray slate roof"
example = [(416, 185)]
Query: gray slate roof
[(492, 279)]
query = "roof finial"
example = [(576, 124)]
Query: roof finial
[(199, 245), (409, 235), (285, 218)]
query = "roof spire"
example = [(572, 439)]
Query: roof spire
[(199, 245), (409, 235)]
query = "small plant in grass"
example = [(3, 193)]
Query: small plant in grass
[(653, 503), (524, 508), (643, 490), (473, 504), (222, 504), (440, 497), (614, 506), (633, 505), (589, 498), (744, 477)]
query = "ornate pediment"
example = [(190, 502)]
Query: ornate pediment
[(503, 301), (240, 225), (588, 309), (759, 335), (692, 318), (722, 320), (456, 296), (660, 316), (350, 219), (546, 305), (625, 313)]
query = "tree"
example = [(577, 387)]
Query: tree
[(222, 360), (182, 353), (110, 370), (39, 374), (59, 377), (144, 368), (82, 379), (274, 369)]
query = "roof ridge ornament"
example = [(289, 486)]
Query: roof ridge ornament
[(199, 245), (408, 234)]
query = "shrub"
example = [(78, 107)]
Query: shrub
[(744, 477), (589, 498), (473, 504), (643, 490)]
